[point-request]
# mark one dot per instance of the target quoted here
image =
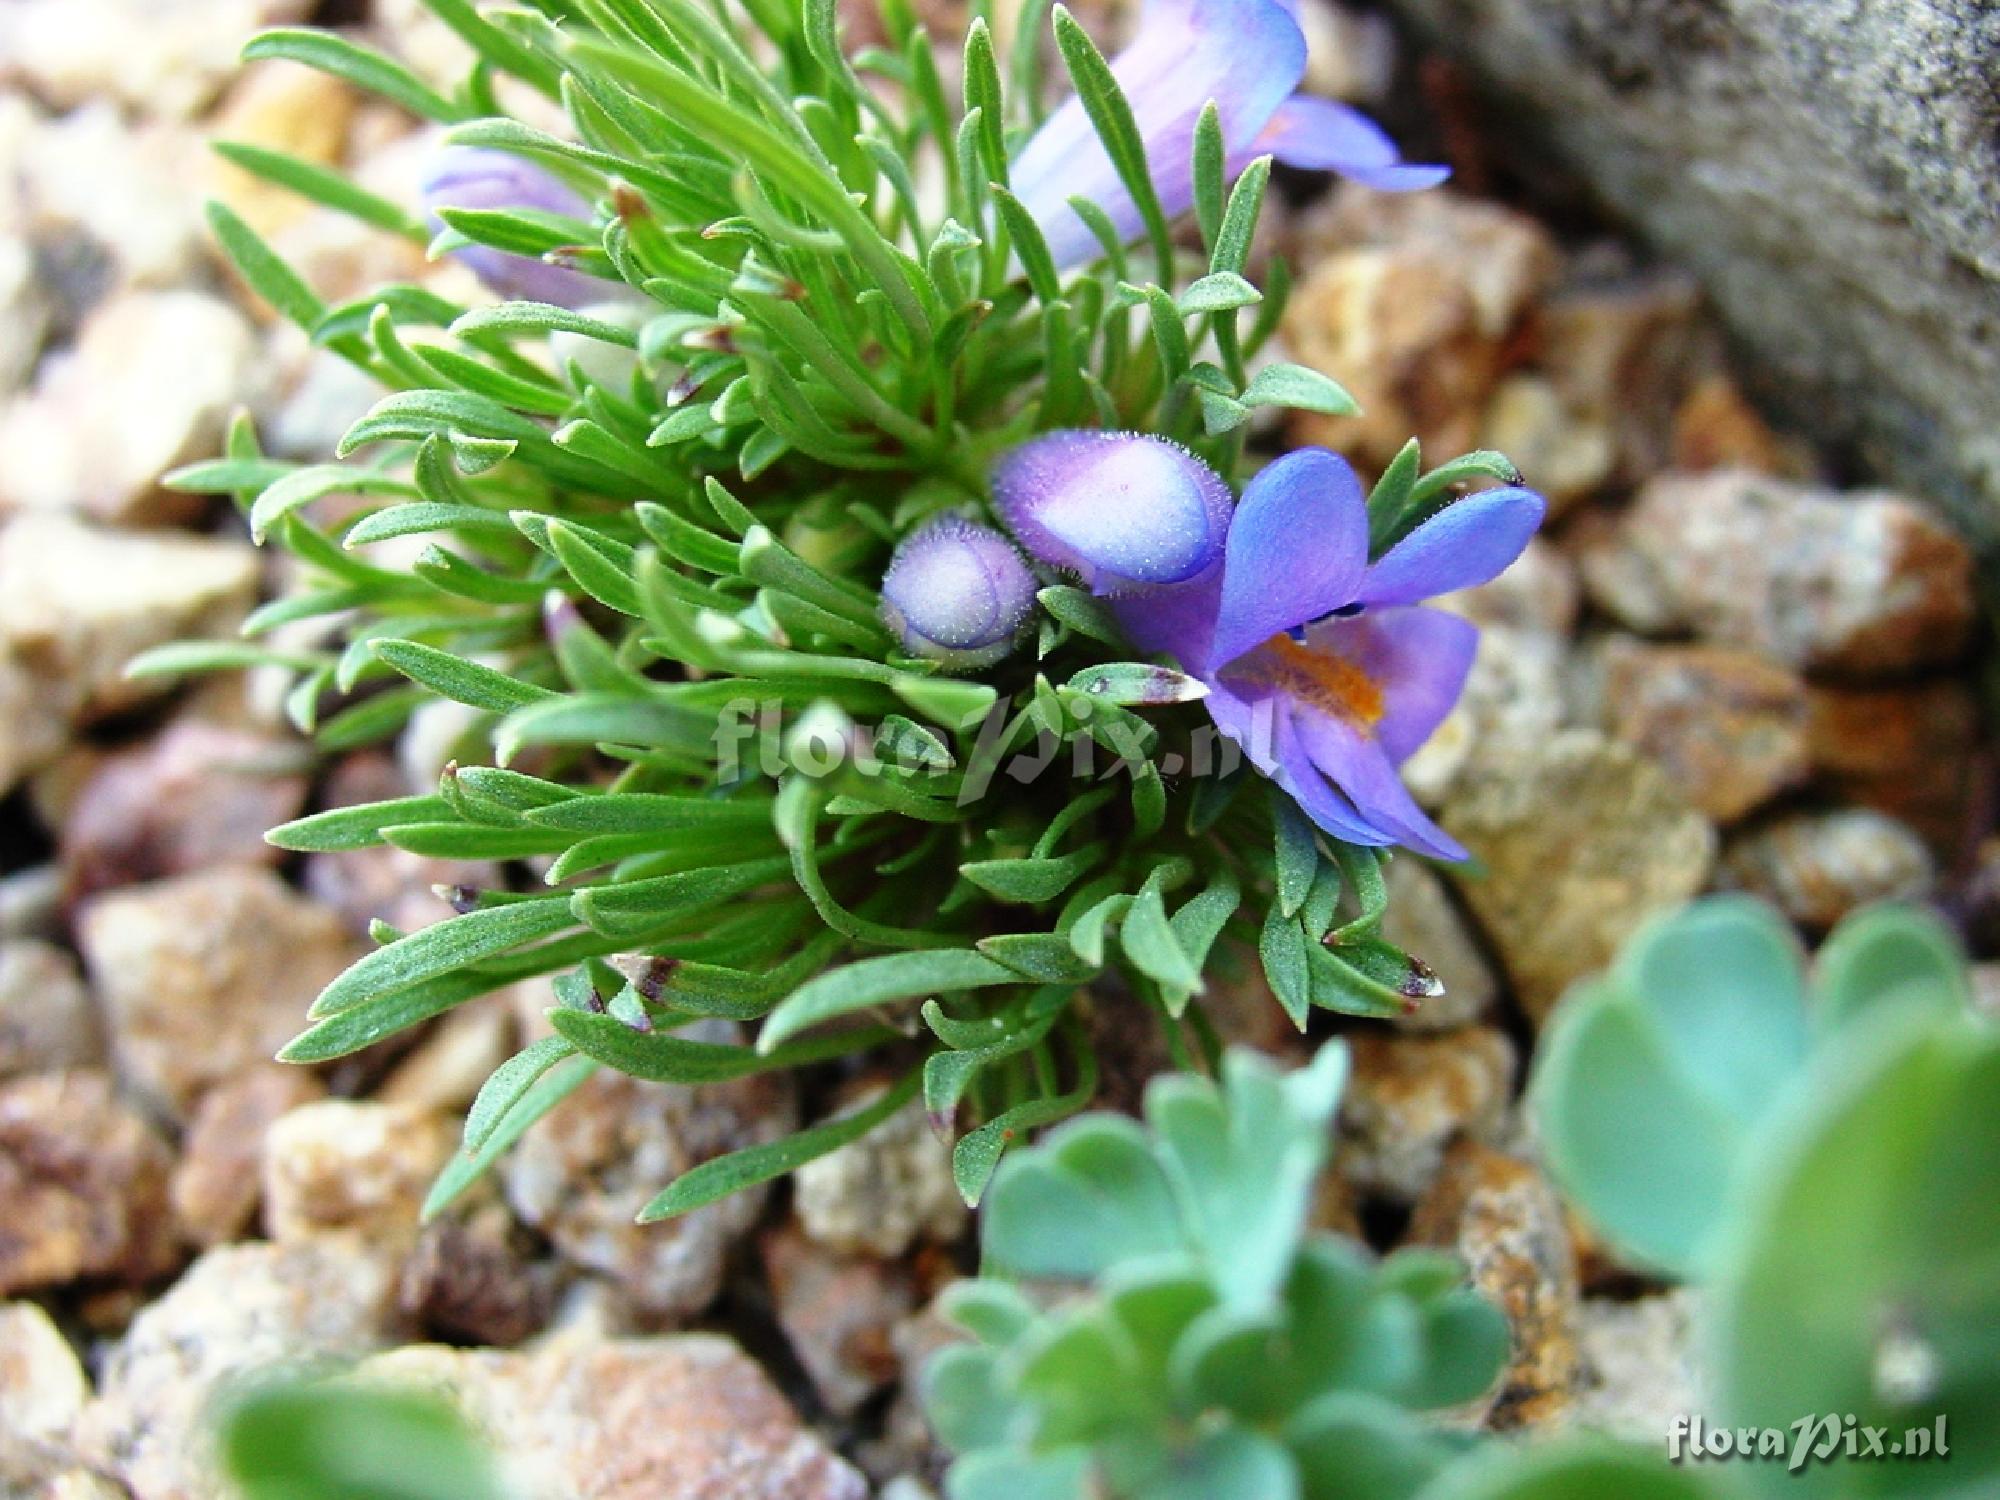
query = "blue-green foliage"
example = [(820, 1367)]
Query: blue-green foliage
[(644, 519), (1219, 1349)]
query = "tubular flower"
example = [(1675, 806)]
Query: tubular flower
[(1246, 55), (957, 593), (472, 177), (1323, 666), (1123, 511)]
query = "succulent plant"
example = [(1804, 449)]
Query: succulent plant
[(1655, 1082), (1203, 1343)]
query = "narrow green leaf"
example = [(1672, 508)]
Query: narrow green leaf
[(746, 1168), (879, 981), (464, 1169)]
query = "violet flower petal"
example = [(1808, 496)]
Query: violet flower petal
[(1356, 764), (1319, 798), (1246, 55), (957, 593), (1121, 510), (1417, 658), (476, 177), (1298, 547), (1323, 136), (1468, 543)]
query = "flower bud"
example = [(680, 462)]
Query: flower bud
[(1123, 511), (472, 177), (957, 593)]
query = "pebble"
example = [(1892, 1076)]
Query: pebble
[(1410, 302), (279, 106), (1540, 591), (77, 603), (1423, 921), (42, 1393), (47, 1021), (148, 386), (1638, 1369), (1911, 750), (444, 1072), (25, 313), (1621, 346), (884, 1192), (196, 796), (474, 1278), (355, 1165), (630, 1419), (238, 1309), (166, 57), (84, 1179), (1816, 867), (1729, 727), (1582, 839), (217, 1183), (1567, 453), (125, 187), (583, 1172), (1860, 584), (1505, 1221), (1514, 700), (1715, 427), (1409, 1097), (205, 976), (839, 1313)]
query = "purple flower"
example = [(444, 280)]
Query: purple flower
[(472, 177), (1246, 55), (957, 593), (1123, 511), (1322, 665)]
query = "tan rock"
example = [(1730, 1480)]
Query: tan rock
[(1857, 584), (148, 386), (1621, 347), (47, 1021), (1566, 453), (34, 723), (1909, 750), (206, 975), (1514, 700), (42, 1392), (280, 106), (351, 1164), (1582, 839), (237, 1310), (444, 1071), (1410, 302), (216, 1186), (1409, 1097), (78, 603), (583, 1172), (84, 1178), (839, 1313), (1716, 428), (1501, 1215), (883, 1192), (1424, 921), (630, 1419), (197, 796), (1816, 867), (1729, 727)]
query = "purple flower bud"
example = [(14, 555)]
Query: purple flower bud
[(1123, 511), (472, 177), (957, 593)]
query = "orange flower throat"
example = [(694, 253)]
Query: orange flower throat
[(1325, 680)]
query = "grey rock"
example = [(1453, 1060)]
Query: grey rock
[(883, 1192), (1828, 170), (1639, 1371), (42, 1392), (46, 1018)]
